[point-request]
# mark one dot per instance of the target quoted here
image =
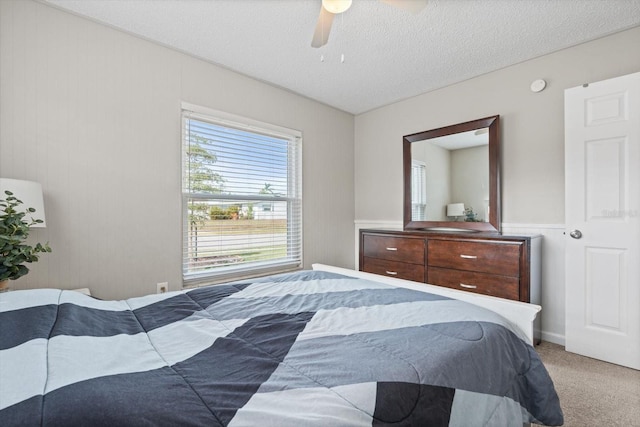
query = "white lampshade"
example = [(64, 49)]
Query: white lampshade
[(455, 209), (29, 192)]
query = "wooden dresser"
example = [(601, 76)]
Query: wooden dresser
[(499, 265)]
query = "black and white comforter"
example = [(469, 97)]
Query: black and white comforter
[(303, 349)]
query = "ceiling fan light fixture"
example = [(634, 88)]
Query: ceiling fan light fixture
[(336, 6)]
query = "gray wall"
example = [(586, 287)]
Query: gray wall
[(93, 114), (532, 135)]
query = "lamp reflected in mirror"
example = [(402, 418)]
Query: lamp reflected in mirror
[(455, 210)]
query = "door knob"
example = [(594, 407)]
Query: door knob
[(576, 234)]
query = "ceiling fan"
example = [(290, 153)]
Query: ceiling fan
[(330, 8)]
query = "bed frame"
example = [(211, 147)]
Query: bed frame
[(519, 313)]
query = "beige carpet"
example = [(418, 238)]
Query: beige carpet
[(592, 392)]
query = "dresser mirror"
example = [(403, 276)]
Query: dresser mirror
[(452, 177)]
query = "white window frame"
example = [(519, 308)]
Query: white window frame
[(293, 198), (418, 190)]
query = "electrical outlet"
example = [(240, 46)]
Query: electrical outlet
[(162, 287)]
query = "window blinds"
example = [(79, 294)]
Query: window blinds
[(418, 190), (242, 202)]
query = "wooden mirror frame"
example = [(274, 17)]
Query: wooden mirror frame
[(493, 225)]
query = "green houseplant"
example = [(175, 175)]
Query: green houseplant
[(14, 230)]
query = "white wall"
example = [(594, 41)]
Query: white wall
[(532, 135), (93, 114)]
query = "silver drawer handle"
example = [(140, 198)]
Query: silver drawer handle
[(391, 273), (392, 249), (468, 256), (468, 286)]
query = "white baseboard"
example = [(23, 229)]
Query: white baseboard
[(552, 338), (365, 223), (507, 225)]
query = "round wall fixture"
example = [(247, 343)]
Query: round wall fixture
[(538, 85)]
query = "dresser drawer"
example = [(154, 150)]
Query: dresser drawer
[(482, 283), (400, 270), (406, 250), (484, 257)]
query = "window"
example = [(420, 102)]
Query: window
[(418, 190), (241, 197)]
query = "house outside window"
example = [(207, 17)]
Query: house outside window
[(241, 197)]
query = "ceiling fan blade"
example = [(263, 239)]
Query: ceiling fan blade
[(323, 27), (413, 6)]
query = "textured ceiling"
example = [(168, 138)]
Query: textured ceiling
[(389, 54)]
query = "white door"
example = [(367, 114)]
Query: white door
[(602, 203)]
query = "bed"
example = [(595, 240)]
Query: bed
[(324, 347)]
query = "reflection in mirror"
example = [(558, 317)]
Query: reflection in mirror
[(451, 177), (456, 179)]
